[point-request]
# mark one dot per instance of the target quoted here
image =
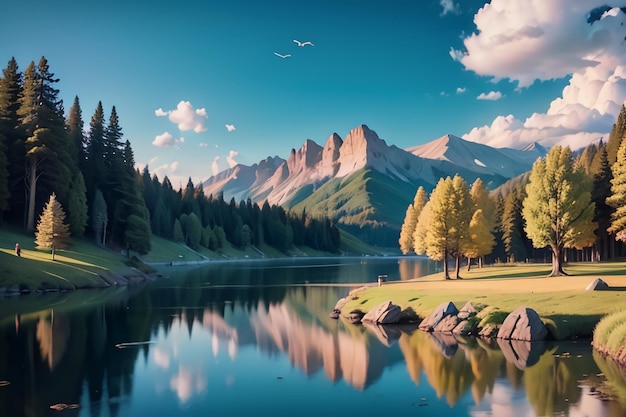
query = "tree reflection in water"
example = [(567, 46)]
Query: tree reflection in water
[(70, 356)]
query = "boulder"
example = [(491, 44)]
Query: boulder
[(467, 311), (464, 328), (447, 324), (384, 313), (596, 285), (523, 324), (441, 311)]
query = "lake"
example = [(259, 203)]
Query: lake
[(255, 338)]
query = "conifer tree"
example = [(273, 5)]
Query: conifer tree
[(600, 191), (99, 218), (617, 136), (617, 199), (558, 209), (52, 231), (92, 165), (512, 225), (11, 159), (410, 220), (41, 115)]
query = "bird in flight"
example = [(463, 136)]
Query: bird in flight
[(303, 43), (282, 56)]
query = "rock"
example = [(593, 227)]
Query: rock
[(464, 328), (523, 324), (340, 303), (467, 311), (441, 311), (490, 331), (335, 313), (447, 324), (596, 285), (384, 313)]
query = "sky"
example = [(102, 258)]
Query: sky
[(201, 85)]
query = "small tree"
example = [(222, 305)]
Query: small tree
[(52, 232)]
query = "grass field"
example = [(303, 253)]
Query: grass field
[(563, 303)]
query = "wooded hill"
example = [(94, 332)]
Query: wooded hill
[(92, 174)]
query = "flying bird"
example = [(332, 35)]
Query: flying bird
[(303, 43), (282, 56)]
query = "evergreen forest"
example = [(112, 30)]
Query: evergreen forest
[(90, 172)]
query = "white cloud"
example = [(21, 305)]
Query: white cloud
[(491, 96), (443, 94), (166, 139), (461, 90), (231, 158), (524, 41), (186, 117), (215, 167), (448, 7), (203, 145), (230, 128)]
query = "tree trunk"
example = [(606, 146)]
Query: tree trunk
[(446, 273), (557, 263), (469, 263), (457, 267), (30, 220)]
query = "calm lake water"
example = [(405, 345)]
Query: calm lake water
[(255, 338)]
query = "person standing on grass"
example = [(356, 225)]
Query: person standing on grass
[(18, 251)]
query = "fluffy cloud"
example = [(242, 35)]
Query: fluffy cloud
[(461, 90), (448, 7), (529, 40), (491, 96), (215, 166), (230, 128), (166, 139), (231, 158), (186, 117)]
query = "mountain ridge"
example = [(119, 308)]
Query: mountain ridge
[(300, 181)]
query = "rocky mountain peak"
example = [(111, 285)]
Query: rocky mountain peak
[(306, 157)]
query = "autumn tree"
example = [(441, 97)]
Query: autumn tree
[(617, 199), (410, 220), (442, 228), (558, 209), (481, 240), (52, 232)]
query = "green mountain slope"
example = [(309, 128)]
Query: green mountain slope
[(368, 204)]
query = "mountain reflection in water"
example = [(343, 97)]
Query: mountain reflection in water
[(232, 350)]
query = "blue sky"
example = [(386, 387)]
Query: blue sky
[(198, 86)]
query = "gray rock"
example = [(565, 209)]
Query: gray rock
[(447, 324), (441, 311), (596, 285), (523, 324), (384, 313)]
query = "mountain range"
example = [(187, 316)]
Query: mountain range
[(364, 184)]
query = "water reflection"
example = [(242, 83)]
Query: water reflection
[(210, 344)]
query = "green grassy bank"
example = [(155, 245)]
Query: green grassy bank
[(86, 265), (564, 305)]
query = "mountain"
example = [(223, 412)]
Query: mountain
[(363, 183)]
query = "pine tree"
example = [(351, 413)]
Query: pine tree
[(10, 157), (99, 218), (410, 220), (617, 199), (512, 226), (92, 165), (600, 191), (558, 209), (41, 115), (52, 231), (617, 136)]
